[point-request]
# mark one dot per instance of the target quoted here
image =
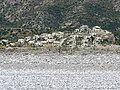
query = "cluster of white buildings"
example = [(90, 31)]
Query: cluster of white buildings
[(36, 40), (95, 36), (81, 37)]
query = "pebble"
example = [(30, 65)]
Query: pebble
[(74, 72)]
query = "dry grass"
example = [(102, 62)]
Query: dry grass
[(2, 47)]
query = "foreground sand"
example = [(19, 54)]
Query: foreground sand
[(82, 70)]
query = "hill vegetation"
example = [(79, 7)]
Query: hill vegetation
[(51, 15)]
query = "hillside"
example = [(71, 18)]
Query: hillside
[(55, 13), (52, 15)]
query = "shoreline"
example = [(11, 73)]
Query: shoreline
[(87, 50)]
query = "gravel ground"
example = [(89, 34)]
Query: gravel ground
[(83, 70), (59, 80), (77, 61)]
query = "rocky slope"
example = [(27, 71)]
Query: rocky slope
[(59, 13)]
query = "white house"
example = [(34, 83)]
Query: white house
[(21, 42), (96, 29), (31, 43), (28, 38), (4, 42), (36, 37), (38, 44)]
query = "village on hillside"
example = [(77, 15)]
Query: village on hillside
[(81, 37)]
